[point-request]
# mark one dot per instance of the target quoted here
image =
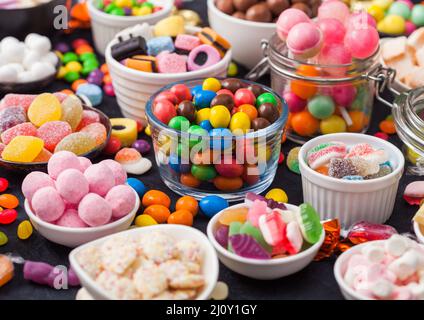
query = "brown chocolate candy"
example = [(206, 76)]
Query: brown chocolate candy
[(277, 6), (187, 109), (239, 15), (260, 123), (225, 6), (259, 13), (268, 111), (243, 5), (303, 7), (256, 89), (232, 84), (223, 100)]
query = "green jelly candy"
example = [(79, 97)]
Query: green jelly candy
[(248, 228), (309, 223), (3, 239), (321, 107), (198, 131), (203, 173), (293, 160), (179, 123), (87, 56), (69, 57), (71, 76), (266, 97), (233, 229), (117, 12)]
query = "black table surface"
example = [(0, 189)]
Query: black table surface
[(316, 281)]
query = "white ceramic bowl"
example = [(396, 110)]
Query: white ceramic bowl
[(351, 201), (210, 266), (262, 269), (418, 232), (105, 26), (73, 237), (133, 88), (245, 36)]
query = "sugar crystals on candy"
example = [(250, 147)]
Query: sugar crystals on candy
[(340, 168)]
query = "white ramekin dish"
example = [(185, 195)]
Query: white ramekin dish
[(262, 269), (105, 26), (347, 200), (245, 36), (210, 266), (133, 88), (418, 233), (73, 237)]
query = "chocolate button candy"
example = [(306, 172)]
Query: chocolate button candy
[(224, 100), (256, 89), (225, 6), (186, 109), (259, 13), (243, 5), (232, 84), (277, 6), (260, 123), (269, 112), (239, 15)]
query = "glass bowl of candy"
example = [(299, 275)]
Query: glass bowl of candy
[(399, 275), (351, 177), (76, 202), (144, 58), (110, 17), (217, 136), (175, 256), (33, 127), (265, 239)]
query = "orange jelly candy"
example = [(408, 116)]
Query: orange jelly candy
[(323, 170), (158, 212), (304, 89), (6, 270), (189, 180), (187, 203), (8, 201), (304, 124), (233, 215), (183, 216), (156, 197)]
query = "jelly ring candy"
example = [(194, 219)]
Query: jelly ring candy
[(125, 130), (8, 201), (25, 230)]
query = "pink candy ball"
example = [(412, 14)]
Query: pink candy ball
[(334, 9), (72, 185), (94, 210), (48, 204), (121, 199), (362, 43), (84, 162), (304, 40), (360, 20), (100, 178), (61, 161), (334, 54), (119, 173), (71, 219), (409, 27), (288, 19), (343, 95), (332, 29), (35, 181), (294, 103)]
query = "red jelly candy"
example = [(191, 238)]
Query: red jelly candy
[(8, 216), (4, 184), (364, 231)]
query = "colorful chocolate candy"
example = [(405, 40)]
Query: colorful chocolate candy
[(127, 7)]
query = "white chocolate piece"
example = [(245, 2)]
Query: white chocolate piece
[(406, 265), (374, 254), (8, 74), (396, 245), (382, 288)]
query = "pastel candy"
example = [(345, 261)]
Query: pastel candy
[(78, 143), (159, 44), (202, 57), (121, 199), (272, 228), (23, 129), (88, 116), (97, 131), (171, 26), (118, 171), (34, 181), (365, 167), (17, 100), (248, 228), (396, 245), (71, 219), (94, 210), (72, 111), (61, 161), (186, 42), (84, 162), (360, 149), (72, 185), (322, 154), (100, 178), (23, 149), (45, 107), (415, 189), (309, 223), (48, 204), (246, 246), (171, 63), (257, 209), (53, 132), (93, 92)]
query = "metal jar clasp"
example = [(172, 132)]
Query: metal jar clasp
[(262, 67)]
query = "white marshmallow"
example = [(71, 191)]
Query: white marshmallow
[(396, 245), (26, 76), (8, 74), (13, 52), (40, 44), (352, 273), (6, 42), (30, 38), (30, 58), (381, 288), (374, 254), (406, 265), (42, 70), (51, 58), (17, 66)]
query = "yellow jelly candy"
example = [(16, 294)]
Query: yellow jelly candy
[(233, 215), (23, 149), (203, 114), (144, 220), (24, 230), (46, 107), (219, 116), (125, 130), (277, 194), (240, 123), (77, 142), (211, 84), (376, 12), (333, 124), (392, 24), (171, 26), (72, 111)]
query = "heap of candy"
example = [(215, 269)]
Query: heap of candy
[(359, 162), (32, 127), (78, 194), (143, 267), (26, 61), (390, 269), (127, 7), (155, 50), (265, 229)]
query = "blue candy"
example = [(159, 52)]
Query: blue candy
[(205, 124), (203, 98), (196, 89), (357, 178), (137, 185), (159, 44), (93, 92), (211, 205), (177, 166), (221, 138)]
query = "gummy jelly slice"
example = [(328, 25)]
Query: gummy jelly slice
[(22, 129), (77, 142), (72, 111), (309, 223), (43, 156), (234, 229), (23, 149), (250, 230), (221, 235), (232, 215), (6, 270), (46, 107), (364, 231), (53, 132), (245, 246), (97, 131)]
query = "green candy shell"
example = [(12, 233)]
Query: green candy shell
[(309, 223), (71, 76), (203, 173), (179, 123), (69, 57), (266, 97)]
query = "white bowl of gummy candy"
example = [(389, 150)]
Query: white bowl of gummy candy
[(351, 198), (285, 240)]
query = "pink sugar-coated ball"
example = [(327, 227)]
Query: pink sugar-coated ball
[(344, 95), (294, 103), (334, 54), (119, 173), (100, 178), (35, 181), (122, 200), (288, 19), (362, 43), (47, 204), (71, 219), (94, 210), (72, 185), (85, 163), (361, 19), (332, 29), (334, 9), (409, 27), (61, 161), (304, 40)]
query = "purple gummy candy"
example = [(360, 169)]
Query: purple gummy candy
[(10, 117), (221, 236), (141, 146), (45, 274), (62, 47), (246, 246), (272, 204), (275, 205)]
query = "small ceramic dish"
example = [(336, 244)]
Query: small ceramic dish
[(210, 266), (262, 269), (73, 237)]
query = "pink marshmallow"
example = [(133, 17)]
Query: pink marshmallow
[(35, 181), (122, 200), (72, 185), (100, 178), (48, 204), (61, 161), (118, 171), (94, 210), (187, 42), (85, 163), (71, 219)]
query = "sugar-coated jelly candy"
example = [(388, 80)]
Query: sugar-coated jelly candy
[(23, 149), (231, 215), (272, 227), (6, 270), (211, 205), (89, 116), (97, 131), (364, 231), (293, 160), (247, 247), (309, 223), (45, 107), (144, 220), (221, 235), (77, 142), (24, 230), (23, 129), (8, 216), (53, 132), (72, 111), (256, 210), (3, 239), (10, 117), (156, 197), (8, 201), (248, 228)]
